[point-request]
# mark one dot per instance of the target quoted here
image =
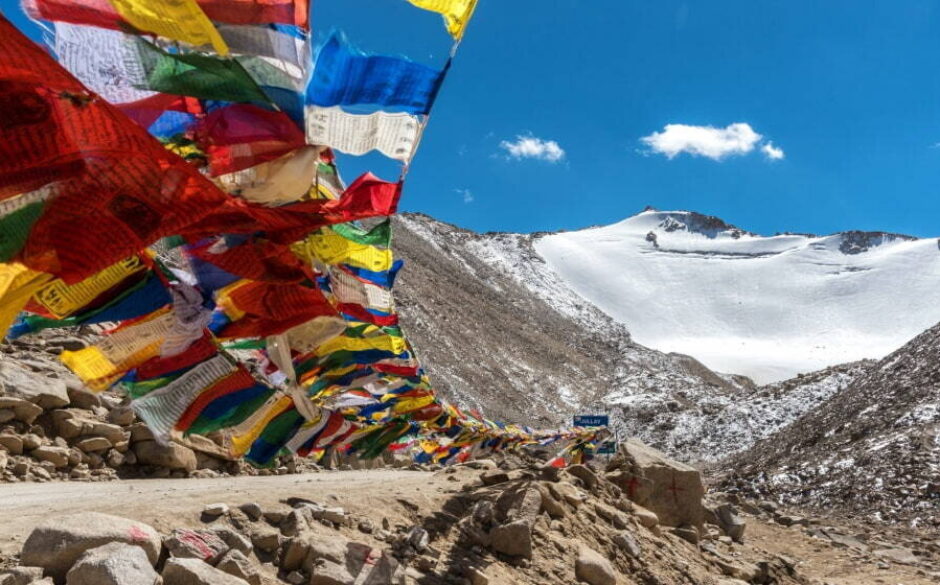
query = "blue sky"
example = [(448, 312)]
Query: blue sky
[(847, 92)]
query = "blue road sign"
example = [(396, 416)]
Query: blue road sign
[(591, 420)]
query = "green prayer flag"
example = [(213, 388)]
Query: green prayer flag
[(200, 76)]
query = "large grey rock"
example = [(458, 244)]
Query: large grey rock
[(59, 541), (115, 563), (196, 572), (45, 392), (672, 490), (171, 455), (594, 569)]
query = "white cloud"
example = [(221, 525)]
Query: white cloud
[(532, 147), (466, 194), (708, 141), (772, 152)]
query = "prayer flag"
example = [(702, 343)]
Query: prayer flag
[(344, 75), (394, 135), (181, 20), (457, 13)]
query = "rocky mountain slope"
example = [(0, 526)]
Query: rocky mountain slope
[(871, 450), (498, 329), (765, 307)]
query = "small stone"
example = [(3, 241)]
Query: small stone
[(215, 510), (93, 444), (494, 477), (628, 544), (593, 569), (687, 533), (296, 578), (252, 510)]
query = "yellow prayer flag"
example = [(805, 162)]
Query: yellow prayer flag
[(329, 247), (63, 299), (17, 284), (457, 13), (248, 431), (379, 342), (181, 20)]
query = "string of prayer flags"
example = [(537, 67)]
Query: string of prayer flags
[(104, 14), (457, 13), (344, 75)]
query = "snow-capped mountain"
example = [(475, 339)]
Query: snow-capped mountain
[(498, 329), (765, 307)]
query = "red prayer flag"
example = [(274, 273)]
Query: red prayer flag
[(112, 189), (271, 309), (240, 136)]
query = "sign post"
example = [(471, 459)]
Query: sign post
[(597, 420)]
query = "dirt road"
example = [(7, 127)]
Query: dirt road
[(169, 503)]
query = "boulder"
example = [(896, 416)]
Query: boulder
[(585, 474), (627, 543), (729, 521), (196, 544), (79, 397), (195, 572), (494, 476), (111, 432), (265, 538), (11, 443), (513, 539), (122, 416), (23, 410), (234, 562), (20, 575), (6, 415), (115, 563), (593, 569), (330, 573), (44, 392), (233, 539), (93, 444), (58, 456), (57, 542), (671, 489), (171, 455), (252, 510)]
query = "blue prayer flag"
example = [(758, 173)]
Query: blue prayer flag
[(346, 76)]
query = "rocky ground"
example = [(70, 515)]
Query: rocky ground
[(870, 452), (640, 521)]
